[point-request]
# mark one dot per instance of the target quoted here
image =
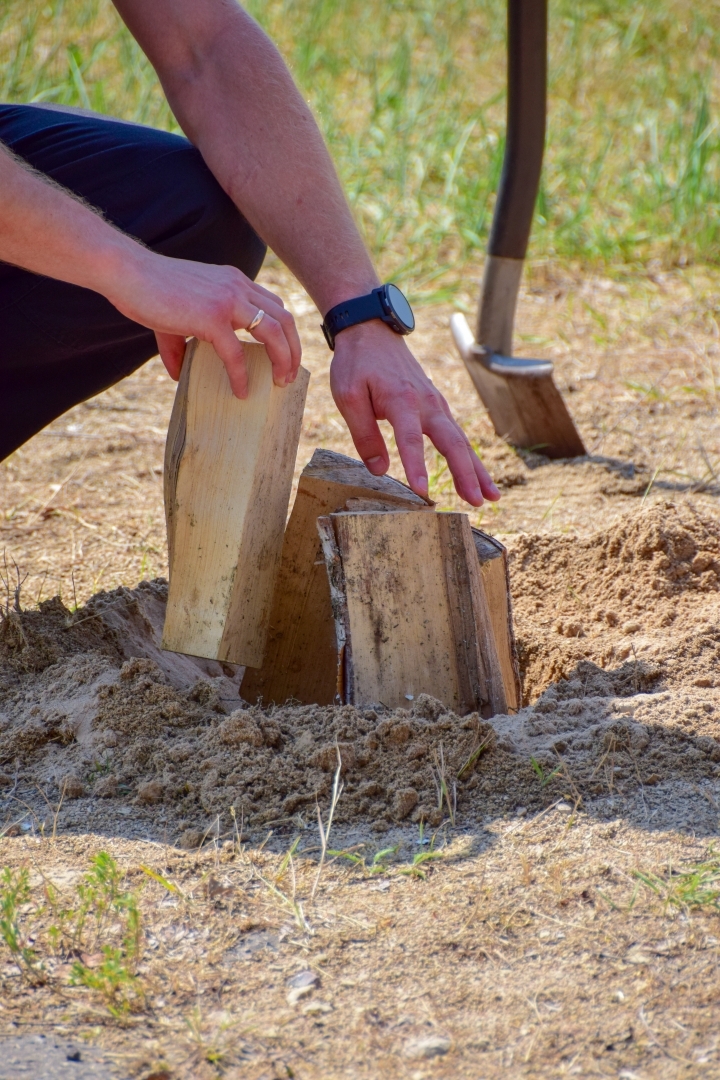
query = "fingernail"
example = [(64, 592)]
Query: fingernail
[(375, 463), (421, 485), (495, 489)]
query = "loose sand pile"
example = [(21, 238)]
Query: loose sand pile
[(645, 588), (619, 639)]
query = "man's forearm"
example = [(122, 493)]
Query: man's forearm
[(235, 99), (46, 229)]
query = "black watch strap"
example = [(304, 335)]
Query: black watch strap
[(350, 313)]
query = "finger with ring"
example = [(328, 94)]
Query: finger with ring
[(259, 316)]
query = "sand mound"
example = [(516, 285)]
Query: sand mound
[(613, 598), (619, 634)]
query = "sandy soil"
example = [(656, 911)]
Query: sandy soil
[(537, 895)]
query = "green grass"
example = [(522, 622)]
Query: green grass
[(101, 918), (411, 98), (687, 888)]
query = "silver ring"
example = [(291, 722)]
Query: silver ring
[(260, 315)]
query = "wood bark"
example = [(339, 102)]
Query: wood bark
[(492, 557), (228, 476)]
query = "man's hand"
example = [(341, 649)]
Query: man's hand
[(179, 299), (374, 376), (44, 228)]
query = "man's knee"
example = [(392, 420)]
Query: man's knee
[(207, 226)]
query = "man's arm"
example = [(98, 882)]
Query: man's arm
[(46, 229), (235, 99)]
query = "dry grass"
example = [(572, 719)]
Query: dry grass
[(530, 946)]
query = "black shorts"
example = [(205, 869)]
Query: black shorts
[(61, 344)]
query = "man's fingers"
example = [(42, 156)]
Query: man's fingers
[(232, 354), (359, 416), (271, 333), (405, 419), (287, 322), (471, 478), (172, 350), (267, 294), (487, 485), (275, 309)]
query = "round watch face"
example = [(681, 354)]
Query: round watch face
[(401, 307)]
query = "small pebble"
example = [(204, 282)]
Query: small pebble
[(428, 1047), (564, 808), (313, 1008), (304, 978), (299, 992)]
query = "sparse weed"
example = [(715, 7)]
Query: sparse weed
[(446, 789), (112, 978), (377, 865), (80, 927), (324, 828), (209, 1049), (543, 777), (689, 888), (14, 896), (415, 869), (380, 860), (474, 756), (287, 858), (170, 886)]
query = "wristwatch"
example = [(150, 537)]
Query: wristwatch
[(386, 303)]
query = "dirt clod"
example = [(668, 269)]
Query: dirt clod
[(150, 792), (106, 787), (72, 786)]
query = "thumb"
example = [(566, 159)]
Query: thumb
[(172, 351)]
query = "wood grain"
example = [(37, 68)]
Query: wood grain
[(228, 475)]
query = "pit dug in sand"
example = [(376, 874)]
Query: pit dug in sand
[(619, 638)]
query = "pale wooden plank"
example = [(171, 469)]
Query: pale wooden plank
[(228, 485), (301, 657)]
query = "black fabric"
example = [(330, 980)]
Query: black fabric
[(60, 344)]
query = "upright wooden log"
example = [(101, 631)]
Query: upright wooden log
[(228, 475), (300, 661), (411, 611)]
